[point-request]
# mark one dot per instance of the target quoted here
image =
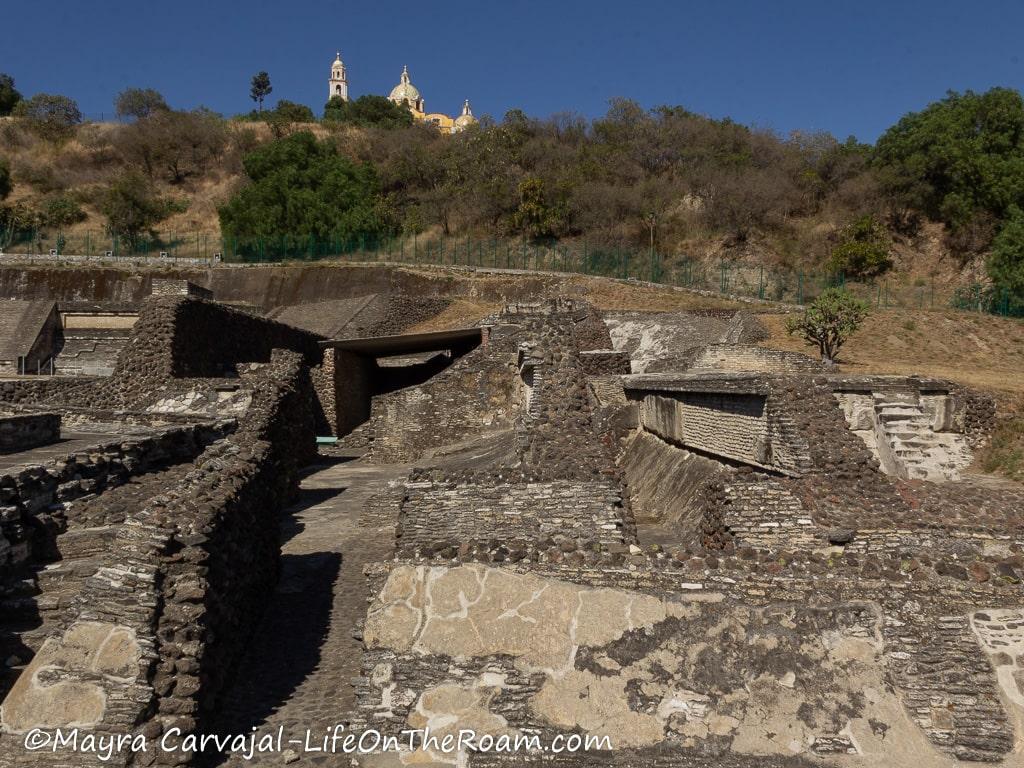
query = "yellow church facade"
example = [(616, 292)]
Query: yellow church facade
[(407, 95)]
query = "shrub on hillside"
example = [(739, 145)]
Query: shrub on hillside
[(61, 211), (1006, 262), (139, 103), (49, 115), (829, 322), (368, 110), (302, 188), (294, 113), (9, 96), (173, 145), (133, 208), (863, 249), (6, 185), (538, 214), (957, 157)]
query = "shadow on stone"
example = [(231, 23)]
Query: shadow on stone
[(285, 648)]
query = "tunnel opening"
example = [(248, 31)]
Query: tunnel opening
[(365, 368)]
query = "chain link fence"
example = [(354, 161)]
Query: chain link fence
[(725, 278)]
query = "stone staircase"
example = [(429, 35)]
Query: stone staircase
[(906, 433)]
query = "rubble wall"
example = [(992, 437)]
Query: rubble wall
[(151, 639)]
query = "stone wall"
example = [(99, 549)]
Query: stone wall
[(745, 357), (33, 496), (475, 394), (21, 432), (90, 351), (604, 362), (733, 661), (352, 387), (177, 287), (182, 583), (436, 516), (732, 426), (667, 484)]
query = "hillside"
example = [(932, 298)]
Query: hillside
[(787, 208)]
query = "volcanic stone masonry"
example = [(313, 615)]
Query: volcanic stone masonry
[(639, 526)]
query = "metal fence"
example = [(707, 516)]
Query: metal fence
[(726, 278)]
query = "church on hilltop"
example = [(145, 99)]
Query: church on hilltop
[(405, 94)]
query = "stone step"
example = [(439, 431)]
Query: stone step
[(85, 542), (895, 397), (54, 575)]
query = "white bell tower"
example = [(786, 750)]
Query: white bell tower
[(338, 83)]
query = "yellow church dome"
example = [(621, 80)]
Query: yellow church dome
[(405, 91), (466, 118)]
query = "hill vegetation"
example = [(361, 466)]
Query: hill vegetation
[(940, 194)]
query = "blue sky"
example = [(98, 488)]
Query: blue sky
[(848, 68)]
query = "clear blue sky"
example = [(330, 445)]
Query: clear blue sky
[(848, 68)]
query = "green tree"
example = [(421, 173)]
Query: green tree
[(294, 113), (829, 321), (284, 117), (959, 157), (302, 188), (368, 110), (6, 185), (863, 249), (133, 208), (9, 96), (61, 211), (1006, 262), (536, 216), (50, 115), (260, 88), (139, 103)]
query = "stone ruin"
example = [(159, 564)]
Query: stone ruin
[(559, 521)]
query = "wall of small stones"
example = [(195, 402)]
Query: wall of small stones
[(21, 432), (187, 574), (734, 426), (223, 559), (603, 362), (763, 513), (178, 287), (353, 390), (475, 394), (440, 515), (33, 497)]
